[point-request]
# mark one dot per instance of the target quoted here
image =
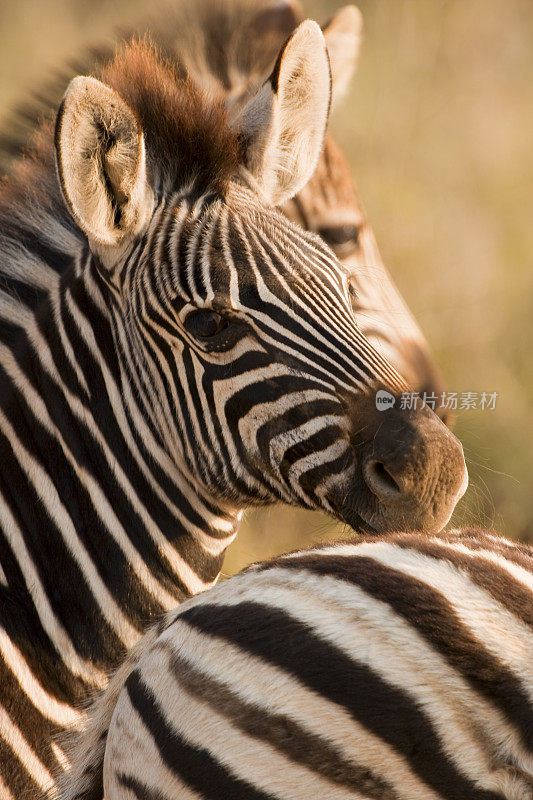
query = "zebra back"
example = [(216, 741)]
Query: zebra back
[(392, 668)]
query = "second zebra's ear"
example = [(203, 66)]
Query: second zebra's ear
[(102, 166), (284, 124), (343, 40)]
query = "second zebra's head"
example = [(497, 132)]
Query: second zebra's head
[(232, 327)]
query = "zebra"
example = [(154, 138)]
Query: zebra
[(197, 355), (229, 47), (398, 668)]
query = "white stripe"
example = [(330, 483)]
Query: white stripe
[(99, 500), (23, 752), (54, 629), (56, 510), (180, 567), (61, 756), (318, 458), (137, 757), (515, 570), (247, 758), (374, 361), (5, 794), (55, 711), (272, 691), (391, 647), (65, 341), (508, 638)]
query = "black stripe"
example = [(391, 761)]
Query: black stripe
[(194, 765), (33, 241), (387, 711), (433, 616), (35, 728), (137, 788), (285, 422), (21, 622), (492, 578), (16, 778), (284, 733), (71, 597), (24, 292)]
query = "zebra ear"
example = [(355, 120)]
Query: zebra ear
[(102, 166), (343, 39), (283, 125)]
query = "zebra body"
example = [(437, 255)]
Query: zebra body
[(390, 669), (194, 353)]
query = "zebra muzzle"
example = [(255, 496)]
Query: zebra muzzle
[(411, 470)]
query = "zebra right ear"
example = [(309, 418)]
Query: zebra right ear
[(343, 35), (284, 124), (102, 166)]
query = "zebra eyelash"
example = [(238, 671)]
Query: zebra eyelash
[(351, 291)]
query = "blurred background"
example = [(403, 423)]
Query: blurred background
[(438, 129)]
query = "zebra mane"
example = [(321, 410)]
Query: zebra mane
[(227, 45), (210, 54), (186, 130)]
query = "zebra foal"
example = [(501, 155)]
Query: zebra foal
[(229, 48), (197, 353), (398, 668)]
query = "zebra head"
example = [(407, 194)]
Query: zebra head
[(233, 328)]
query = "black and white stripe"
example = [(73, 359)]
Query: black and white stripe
[(130, 443), (390, 669), (229, 48)]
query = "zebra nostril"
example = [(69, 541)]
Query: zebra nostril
[(380, 481)]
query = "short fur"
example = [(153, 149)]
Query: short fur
[(229, 47), (396, 678), (187, 132), (216, 39)]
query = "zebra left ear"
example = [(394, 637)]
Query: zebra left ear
[(102, 166), (284, 124)]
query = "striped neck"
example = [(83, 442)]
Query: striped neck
[(102, 529)]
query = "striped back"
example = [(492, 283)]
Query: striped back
[(391, 668)]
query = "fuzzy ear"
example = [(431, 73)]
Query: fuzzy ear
[(284, 124), (343, 39), (102, 166)]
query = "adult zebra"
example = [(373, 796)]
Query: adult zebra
[(398, 668), (229, 47), (198, 354)]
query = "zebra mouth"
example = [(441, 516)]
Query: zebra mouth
[(355, 520)]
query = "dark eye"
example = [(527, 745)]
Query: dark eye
[(341, 238), (205, 324)]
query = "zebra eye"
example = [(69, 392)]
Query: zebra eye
[(341, 238), (205, 324)]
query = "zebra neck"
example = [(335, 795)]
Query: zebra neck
[(101, 532)]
